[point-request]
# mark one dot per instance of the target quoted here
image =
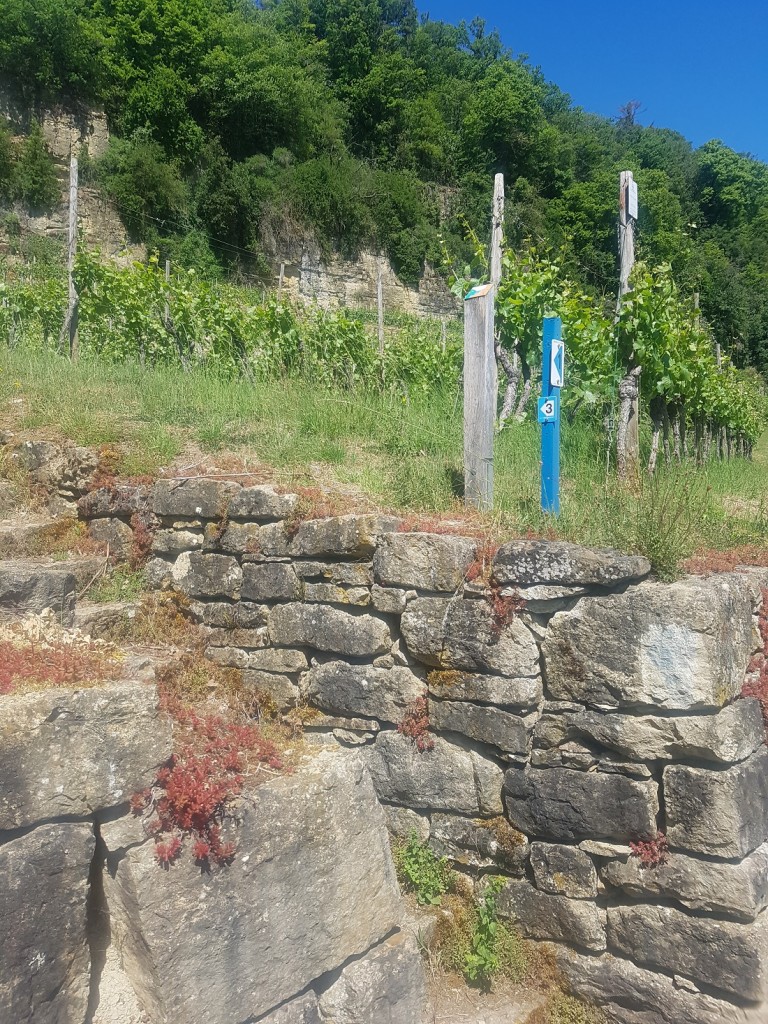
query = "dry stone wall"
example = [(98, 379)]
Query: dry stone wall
[(575, 706)]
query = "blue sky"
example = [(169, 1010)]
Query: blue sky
[(698, 68)]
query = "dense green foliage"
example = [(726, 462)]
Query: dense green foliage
[(362, 122), (27, 170)]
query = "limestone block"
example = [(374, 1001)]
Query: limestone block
[(235, 539), (361, 690), (729, 736), (547, 562), (281, 688), (271, 581), (230, 615), (312, 885), (201, 499), (541, 916), (479, 843), (119, 501), (501, 691), (447, 778), (402, 822), (567, 805), (493, 726), (353, 536), (725, 954), (633, 995), (462, 634), (203, 575), (44, 958), (331, 593), (78, 752), (384, 987), (278, 659), (355, 574), (260, 501), (117, 535), (563, 871), (737, 890), (329, 629), (273, 541), (721, 813), (29, 589), (234, 637), (680, 646), (171, 543), (390, 600), (425, 561)]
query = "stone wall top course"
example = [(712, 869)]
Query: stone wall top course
[(193, 498), (423, 561), (547, 562), (351, 536)]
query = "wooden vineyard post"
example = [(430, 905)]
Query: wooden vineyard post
[(628, 434), (68, 333), (480, 389), (481, 384), (167, 308), (380, 306)]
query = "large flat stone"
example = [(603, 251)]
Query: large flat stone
[(633, 995), (329, 629), (567, 805), (312, 886), (29, 589), (563, 871), (541, 916), (361, 690), (462, 634), (559, 562), (44, 958), (737, 890), (493, 726), (721, 813), (424, 561), (353, 536), (479, 843), (680, 646), (502, 691), (725, 738), (65, 752), (726, 955), (207, 575), (447, 778), (384, 987), (261, 501), (193, 499), (121, 500), (272, 581)]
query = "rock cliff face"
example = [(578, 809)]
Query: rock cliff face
[(304, 925), (573, 708)]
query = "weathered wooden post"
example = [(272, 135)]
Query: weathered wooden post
[(481, 385), (71, 317), (480, 389), (628, 433)]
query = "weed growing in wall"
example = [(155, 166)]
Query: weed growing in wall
[(422, 872), (415, 724), (651, 852)]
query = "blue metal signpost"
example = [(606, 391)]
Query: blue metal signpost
[(552, 366)]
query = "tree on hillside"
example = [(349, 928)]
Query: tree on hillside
[(34, 174)]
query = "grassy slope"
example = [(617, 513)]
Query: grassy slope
[(404, 456)]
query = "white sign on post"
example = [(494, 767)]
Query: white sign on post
[(632, 204), (557, 364)]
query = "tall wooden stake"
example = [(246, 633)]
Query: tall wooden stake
[(68, 333), (497, 228), (480, 390), (167, 308), (481, 387), (628, 435), (280, 281), (380, 305)]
